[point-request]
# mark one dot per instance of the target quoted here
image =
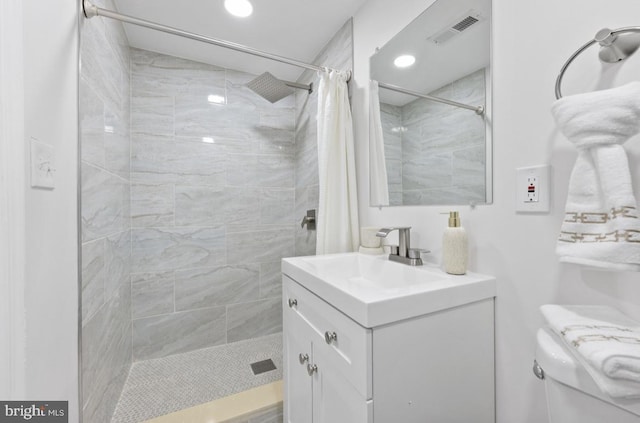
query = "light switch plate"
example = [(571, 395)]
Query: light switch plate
[(532, 189), (42, 165)]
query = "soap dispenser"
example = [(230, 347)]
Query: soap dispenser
[(454, 246)]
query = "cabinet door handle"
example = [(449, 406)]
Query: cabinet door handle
[(293, 302), (303, 358), (330, 337), (311, 369)]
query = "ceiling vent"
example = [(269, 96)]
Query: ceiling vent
[(463, 23)]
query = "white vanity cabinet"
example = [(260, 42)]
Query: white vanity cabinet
[(436, 367), (327, 382)]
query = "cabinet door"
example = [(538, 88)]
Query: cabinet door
[(297, 382), (335, 399)]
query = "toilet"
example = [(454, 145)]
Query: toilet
[(572, 395)]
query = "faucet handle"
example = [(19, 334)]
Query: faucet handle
[(415, 253)]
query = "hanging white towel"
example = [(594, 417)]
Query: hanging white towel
[(379, 184), (605, 341), (601, 226), (337, 222)]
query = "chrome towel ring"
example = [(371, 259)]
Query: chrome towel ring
[(615, 45)]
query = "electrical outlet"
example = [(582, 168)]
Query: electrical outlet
[(532, 189)]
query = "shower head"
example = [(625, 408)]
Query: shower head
[(273, 89)]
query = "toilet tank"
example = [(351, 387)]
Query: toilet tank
[(572, 395)]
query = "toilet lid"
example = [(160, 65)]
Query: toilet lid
[(559, 364)]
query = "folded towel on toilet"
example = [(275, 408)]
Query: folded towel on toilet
[(605, 341), (601, 226)]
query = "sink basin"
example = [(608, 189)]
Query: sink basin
[(374, 291)]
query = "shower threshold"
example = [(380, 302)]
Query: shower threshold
[(165, 385)]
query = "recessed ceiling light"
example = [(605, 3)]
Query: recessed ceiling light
[(404, 61), (239, 8), (216, 99)]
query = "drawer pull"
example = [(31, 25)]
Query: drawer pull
[(330, 337), (311, 369), (293, 302), (303, 358)]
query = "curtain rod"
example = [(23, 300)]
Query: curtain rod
[(478, 109), (91, 10)]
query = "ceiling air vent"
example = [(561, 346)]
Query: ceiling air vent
[(464, 22)]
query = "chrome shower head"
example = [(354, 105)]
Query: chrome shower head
[(269, 87), (273, 89)]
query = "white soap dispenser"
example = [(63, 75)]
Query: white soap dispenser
[(454, 246)]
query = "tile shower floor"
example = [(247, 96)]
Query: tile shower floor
[(164, 385)]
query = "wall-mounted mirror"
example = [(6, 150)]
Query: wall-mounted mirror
[(424, 151)]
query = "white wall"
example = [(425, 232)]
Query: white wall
[(531, 41), (12, 202), (50, 80)]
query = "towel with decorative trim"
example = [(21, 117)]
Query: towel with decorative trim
[(601, 226), (605, 341)]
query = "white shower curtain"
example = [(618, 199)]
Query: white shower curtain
[(379, 186), (337, 221)]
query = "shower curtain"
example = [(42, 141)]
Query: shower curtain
[(337, 224), (379, 185)]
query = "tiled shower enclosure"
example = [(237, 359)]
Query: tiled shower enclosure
[(192, 191)]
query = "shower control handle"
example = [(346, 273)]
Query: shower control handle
[(330, 337), (293, 302), (303, 358), (311, 369)]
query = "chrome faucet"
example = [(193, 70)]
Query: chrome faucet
[(404, 253)]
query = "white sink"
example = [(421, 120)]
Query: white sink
[(374, 291)]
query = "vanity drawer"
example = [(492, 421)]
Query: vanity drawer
[(349, 353)]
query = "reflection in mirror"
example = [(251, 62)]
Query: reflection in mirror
[(426, 151)]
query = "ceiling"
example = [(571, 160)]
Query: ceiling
[(297, 29)]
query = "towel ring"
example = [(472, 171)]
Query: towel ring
[(614, 47)]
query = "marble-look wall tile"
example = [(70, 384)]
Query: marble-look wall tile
[(434, 171), (271, 280), (91, 120), (208, 287), (152, 205), (106, 356), (105, 203), (93, 278), (152, 294), (277, 206), (449, 196), (168, 334), (195, 116), (117, 143), (154, 73), (469, 166), (157, 249), (161, 159), (275, 171), (117, 262), (211, 206), (260, 246), (104, 111), (152, 115), (255, 319)]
